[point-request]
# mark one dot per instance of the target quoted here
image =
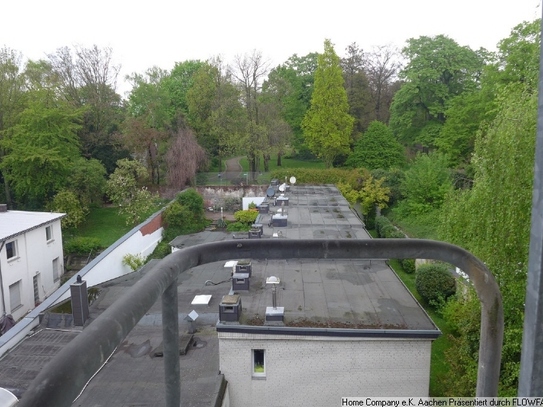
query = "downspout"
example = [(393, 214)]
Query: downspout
[(2, 281)]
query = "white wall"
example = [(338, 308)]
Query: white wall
[(34, 257), (108, 265), (318, 371)]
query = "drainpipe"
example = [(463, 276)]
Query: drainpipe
[(2, 281)]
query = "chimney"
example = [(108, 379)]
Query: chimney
[(3, 207), (80, 301)]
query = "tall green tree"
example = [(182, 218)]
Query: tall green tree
[(150, 121), (377, 148), (492, 220), (465, 114), (518, 55), (357, 87), (516, 63), (425, 185), (327, 126), (437, 70), (41, 148), (291, 84), (11, 102), (215, 112), (178, 83), (87, 78)]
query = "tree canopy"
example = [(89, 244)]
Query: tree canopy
[(327, 125), (377, 148), (437, 70)]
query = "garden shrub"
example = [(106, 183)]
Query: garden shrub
[(134, 261), (435, 283), (193, 201), (380, 223), (247, 217), (180, 219), (238, 227), (395, 234), (162, 250), (408, 265), (231, 204), (82, 245), (387, 230)]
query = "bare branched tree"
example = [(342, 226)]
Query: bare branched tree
[(250, 71), (382, 65), (87, 77), (84, 68)]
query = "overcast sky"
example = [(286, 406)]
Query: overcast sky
[(162, 32)]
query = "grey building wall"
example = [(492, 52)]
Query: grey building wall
[(318, 371)]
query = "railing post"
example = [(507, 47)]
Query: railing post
[(170, 336)]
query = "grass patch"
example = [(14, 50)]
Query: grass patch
[(439, 368), (102, 223), (422, 226)]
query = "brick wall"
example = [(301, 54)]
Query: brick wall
[(318, 371)]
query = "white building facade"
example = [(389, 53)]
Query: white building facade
[(313, 370), (31, 259)]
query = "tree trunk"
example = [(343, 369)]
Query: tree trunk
[(279, 156), (266, 158), (7, 192)]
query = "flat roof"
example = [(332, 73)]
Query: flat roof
[(13, 223), (322, 293)]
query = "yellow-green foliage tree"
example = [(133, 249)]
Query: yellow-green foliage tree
[(371, 194), (327, 125)]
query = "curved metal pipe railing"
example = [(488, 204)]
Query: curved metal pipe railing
[(61, 380)]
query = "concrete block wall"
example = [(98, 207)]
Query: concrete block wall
[(303, 370)]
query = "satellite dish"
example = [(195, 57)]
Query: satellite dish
[(293, 180), (270, 192), (282, 187)]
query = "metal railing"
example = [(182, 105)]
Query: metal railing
[(62, 380)]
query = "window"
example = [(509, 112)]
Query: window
[(259, 367), (49, 233), (15, 296), (11, 249), (56, 271)]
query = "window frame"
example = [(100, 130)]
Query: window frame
[(11, 246), (55, 264), (12, 305), (258, 355), (49, 237)]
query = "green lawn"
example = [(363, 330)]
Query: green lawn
[(103, 223)]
